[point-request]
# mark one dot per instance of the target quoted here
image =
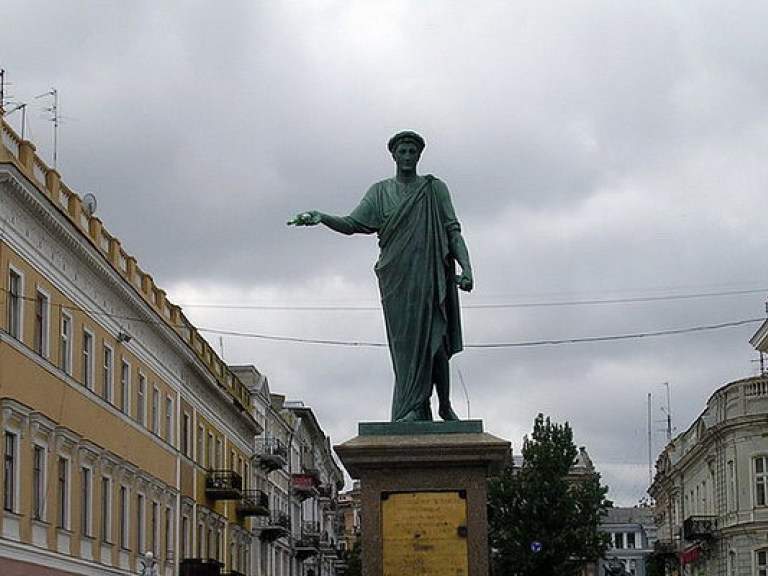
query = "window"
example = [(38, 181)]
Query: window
[(631, 541), (38, 483), (154, 527), (123, 517), (106, 509), (141, 400), (169, 419), (155, 410), (168, 532), (211, 460), (10, 471), (761, 562), (761, 480), (186, 430), (140, 511), (65, 343), (42, 323), (15, 300), (201, 445), (184, 536), (85, 501), (87, 360), (125, 387), (62, 494), (618, 540), (108, 374)]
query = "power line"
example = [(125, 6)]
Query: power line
[(542, 304), (331, 342), (532, 343)]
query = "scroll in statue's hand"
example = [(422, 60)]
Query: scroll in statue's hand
[(465, 281), (310, 218)]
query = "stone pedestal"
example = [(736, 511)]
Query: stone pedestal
[(423, 495)]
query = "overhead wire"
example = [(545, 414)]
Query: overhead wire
[(497, 345), (541, 304)]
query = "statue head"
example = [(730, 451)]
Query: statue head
[(406, 136)]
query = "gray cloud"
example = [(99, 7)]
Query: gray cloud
[(594, 150)]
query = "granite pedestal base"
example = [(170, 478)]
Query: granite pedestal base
[(423, 495)]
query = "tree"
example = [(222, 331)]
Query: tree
[(543, 521), (353, 560)]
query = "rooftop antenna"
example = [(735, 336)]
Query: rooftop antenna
[(669, 414), (55, 118), (23, 107), (650, 443), (466, 395)]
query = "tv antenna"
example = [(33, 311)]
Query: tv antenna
[(23, 107), (668, 412), (53, 109), (466, 395)]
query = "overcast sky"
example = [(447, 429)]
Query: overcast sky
[(595, 150)]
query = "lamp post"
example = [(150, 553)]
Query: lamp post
[(148, 565)]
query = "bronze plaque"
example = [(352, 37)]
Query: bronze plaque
[(424, 534)]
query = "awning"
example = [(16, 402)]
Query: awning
[(690, 556)]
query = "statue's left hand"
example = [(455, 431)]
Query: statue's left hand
[(310, 218), (465, 281)]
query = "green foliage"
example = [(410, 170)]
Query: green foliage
[(659, 564), (538, 502), (353, 560)]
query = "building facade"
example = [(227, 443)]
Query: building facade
[(711, 487), (123, 431), (632, 534)]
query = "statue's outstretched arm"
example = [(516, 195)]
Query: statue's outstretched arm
[(341, 224)]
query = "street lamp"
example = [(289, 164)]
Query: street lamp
[(148, 565)]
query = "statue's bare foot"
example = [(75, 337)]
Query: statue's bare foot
[(447, 413)]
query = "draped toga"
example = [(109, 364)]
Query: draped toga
[(415, 271)]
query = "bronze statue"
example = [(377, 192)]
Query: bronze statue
[(420, 239)]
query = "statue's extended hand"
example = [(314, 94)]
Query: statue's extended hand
[(465, 281), (311, 218)]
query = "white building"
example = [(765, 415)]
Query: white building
[(711, 486), (632, 534)]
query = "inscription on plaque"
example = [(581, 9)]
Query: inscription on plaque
[(424, 534)]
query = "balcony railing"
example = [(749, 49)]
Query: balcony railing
[(698, 527), (273, 454), (274, 526), (304, 485), (200, 567), (665, 547), (310, 528), (223, 485), (253, 503), (306, 546)]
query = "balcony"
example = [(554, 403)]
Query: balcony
[(306, 546), (310, 528), (274, 526), (223, 485), (698, 527), (327, 545), (665, 547), (200, 567), (273, 455), (304, 485), (253, 503)]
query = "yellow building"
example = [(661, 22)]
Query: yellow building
[(123, 432)]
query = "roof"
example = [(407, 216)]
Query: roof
[(642, 516)]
